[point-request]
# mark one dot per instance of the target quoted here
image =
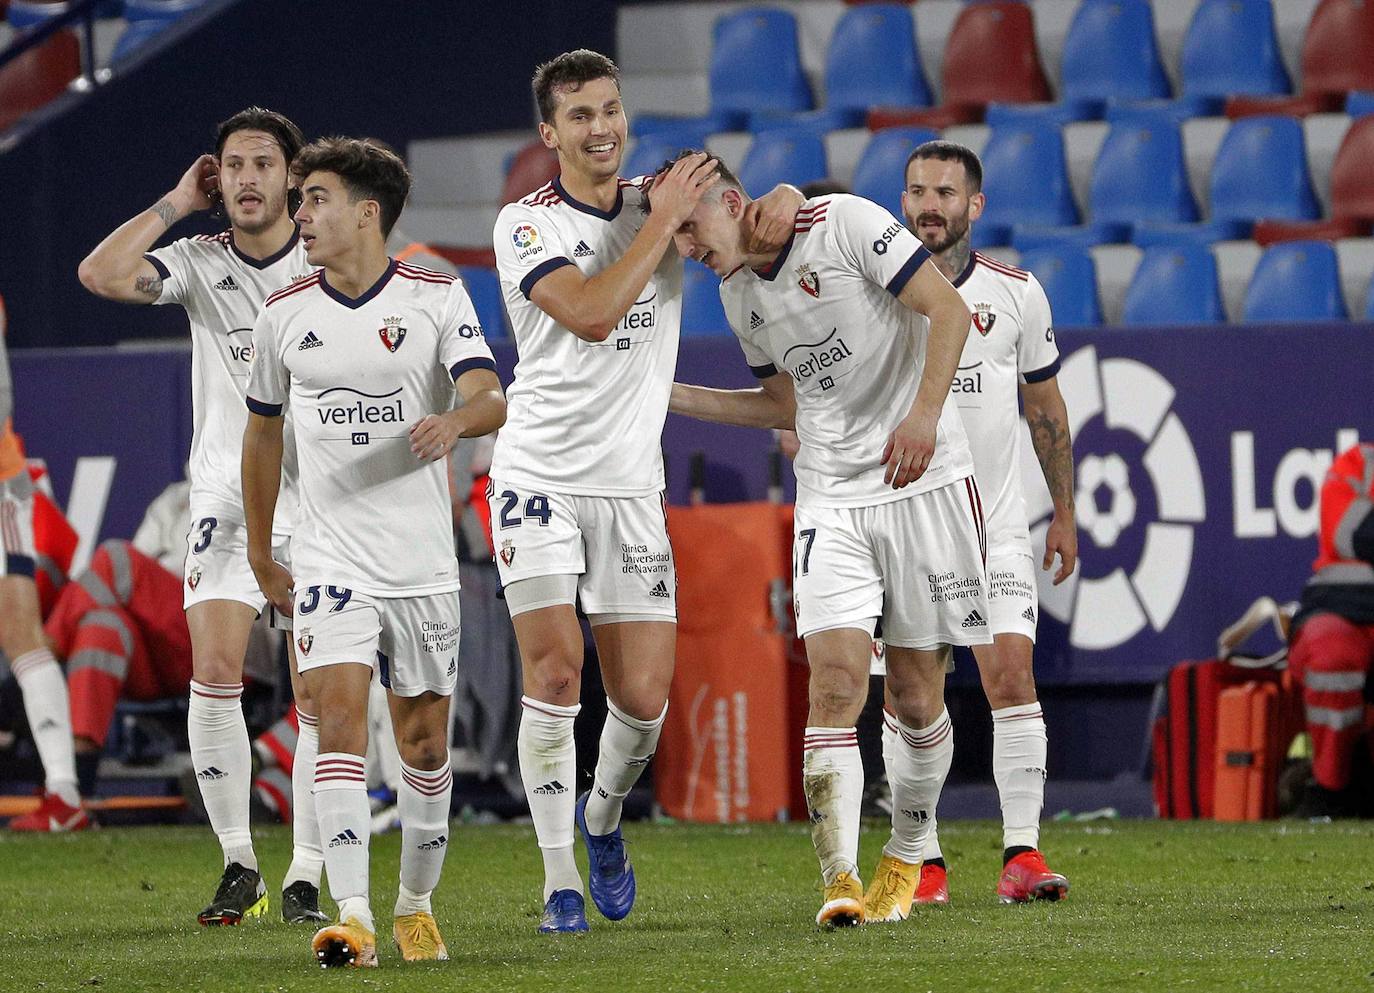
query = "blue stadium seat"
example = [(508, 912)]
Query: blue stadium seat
[(24, 14), (880, 174), (484, 287), (1175, 284), (1140, 175), (872, 60), (1069, 277), (702, 312), (1369, 303), (1231, 47), (1296, 281), (135, 36), (795, 157), (756, 64), (1110, 55), (1261, 171), (158, 10), (1358, 104), (650, 152), (1026, 182)]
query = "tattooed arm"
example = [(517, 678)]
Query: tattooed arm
[(116, 269), (1049, 428)]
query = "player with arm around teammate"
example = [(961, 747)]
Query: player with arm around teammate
[(855, 338), (364, 356), (1011, 343), (594, 292), (221, 281)]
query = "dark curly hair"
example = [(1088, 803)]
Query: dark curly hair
[(282, 129), (571, 70), (370, 170)]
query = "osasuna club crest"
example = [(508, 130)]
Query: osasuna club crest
[(809, 280), (305, 641), (193, 580), (983, 318), (391, 333), (508, 551)]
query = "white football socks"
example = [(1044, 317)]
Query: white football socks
[(1019, 750), (917, 761), (345, 828), (223, 764), (307, 854), (50, 720), (627, 745), (548, 766), (424, 806), (833, 780)]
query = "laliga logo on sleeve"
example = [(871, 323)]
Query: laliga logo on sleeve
[(1139, 539), (527, 242)]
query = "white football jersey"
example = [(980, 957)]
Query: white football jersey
[(826, 312), (584, 418), (222, 291), (1011, 342), (355, 375)]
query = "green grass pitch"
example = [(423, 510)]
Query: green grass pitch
[(1154, 906)]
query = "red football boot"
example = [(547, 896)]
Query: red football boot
[(54, 815), (933, 886), (1026, 877)]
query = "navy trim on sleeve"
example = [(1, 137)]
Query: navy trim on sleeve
[(19, 565), (1363, 541), (263, 409), (540, 271), (1040, 375), (898, 282), (162, 271), (764, 371), (468, 365)]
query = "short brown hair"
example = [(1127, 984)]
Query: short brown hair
[(723, 173), (570, 70), (369, 169), (950, 151), (279, 126)]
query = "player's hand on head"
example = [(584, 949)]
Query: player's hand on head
[(199, 183), (1061, 538), (909, 450), (432, 437), (769, 220), (677, 191)]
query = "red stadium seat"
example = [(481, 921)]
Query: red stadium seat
[(1352, 194), (1335, 60), (38, 76), (972, 76), (532, 167), (483, 256)]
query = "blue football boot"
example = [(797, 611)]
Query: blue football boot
[(564, 913), (611, 878)]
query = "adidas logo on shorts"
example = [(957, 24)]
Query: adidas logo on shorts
[(210, 772), (227, 283), (975, 620), (582, 250), (755, 321), (660, 589), (311, 340), (435, 845), (1029, 614), (345, 837), (551, 788)]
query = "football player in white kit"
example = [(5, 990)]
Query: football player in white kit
[(1011, 342), (221, 281), (594, 293), (364, 356), (856, 338)]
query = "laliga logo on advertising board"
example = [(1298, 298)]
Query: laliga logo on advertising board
[(1141, 587)]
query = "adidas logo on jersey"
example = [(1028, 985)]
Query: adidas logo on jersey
[(311, 340), (551, 788), (660, 589), (344, 837), (435, 845), (755, 321), (974, 620), (1029, 614), (227, 283), (582, 250), (210, 772)]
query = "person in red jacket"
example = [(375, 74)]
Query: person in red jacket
[(1332, 643)]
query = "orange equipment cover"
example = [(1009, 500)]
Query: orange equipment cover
[(726, 754), (1250, 750)]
